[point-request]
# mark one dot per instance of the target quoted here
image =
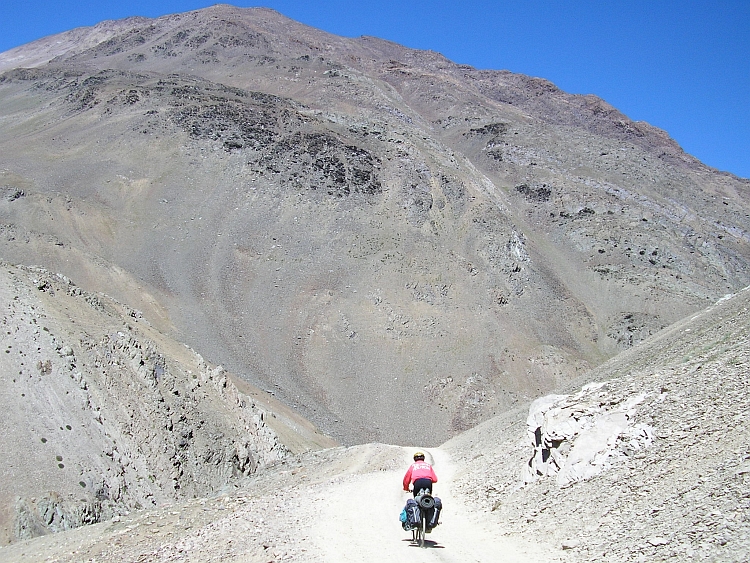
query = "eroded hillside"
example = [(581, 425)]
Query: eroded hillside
[(105, 415), (680, 490)]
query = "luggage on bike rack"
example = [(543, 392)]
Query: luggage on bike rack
[(424, 500), (413, 514), (435, 512)]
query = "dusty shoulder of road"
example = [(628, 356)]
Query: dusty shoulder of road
[(340, 504)]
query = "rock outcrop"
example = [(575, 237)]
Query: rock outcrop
[(577, 437)]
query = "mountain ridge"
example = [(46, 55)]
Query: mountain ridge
[(530, 87), (329, 214)]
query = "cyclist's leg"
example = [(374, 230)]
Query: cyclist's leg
[(420, 484)]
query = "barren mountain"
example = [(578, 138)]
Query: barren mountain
[(396, 247), (352, 224)]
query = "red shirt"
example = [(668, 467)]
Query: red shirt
[(419, 470)]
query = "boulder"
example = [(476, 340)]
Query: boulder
[(576, 437)]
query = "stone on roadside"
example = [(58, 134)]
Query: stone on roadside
[(570, 544), (656, 541)]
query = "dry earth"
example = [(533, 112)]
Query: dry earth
[(337, 505)]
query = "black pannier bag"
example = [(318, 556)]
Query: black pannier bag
[(435, 513)]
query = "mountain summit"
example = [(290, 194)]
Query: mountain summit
[(396, 246)]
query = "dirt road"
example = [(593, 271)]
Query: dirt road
[(339, 505), (355, 519)]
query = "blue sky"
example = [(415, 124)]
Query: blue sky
[(681, 65)]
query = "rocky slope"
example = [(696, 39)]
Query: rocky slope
[(103, 414), (353, 224), (674, 484), (684, 495)]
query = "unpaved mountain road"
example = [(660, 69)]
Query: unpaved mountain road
[(337, 505), (358, 520)]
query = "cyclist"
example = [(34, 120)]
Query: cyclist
[(420, 474)]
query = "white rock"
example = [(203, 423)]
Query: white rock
[(570, 544), (657, 541)]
